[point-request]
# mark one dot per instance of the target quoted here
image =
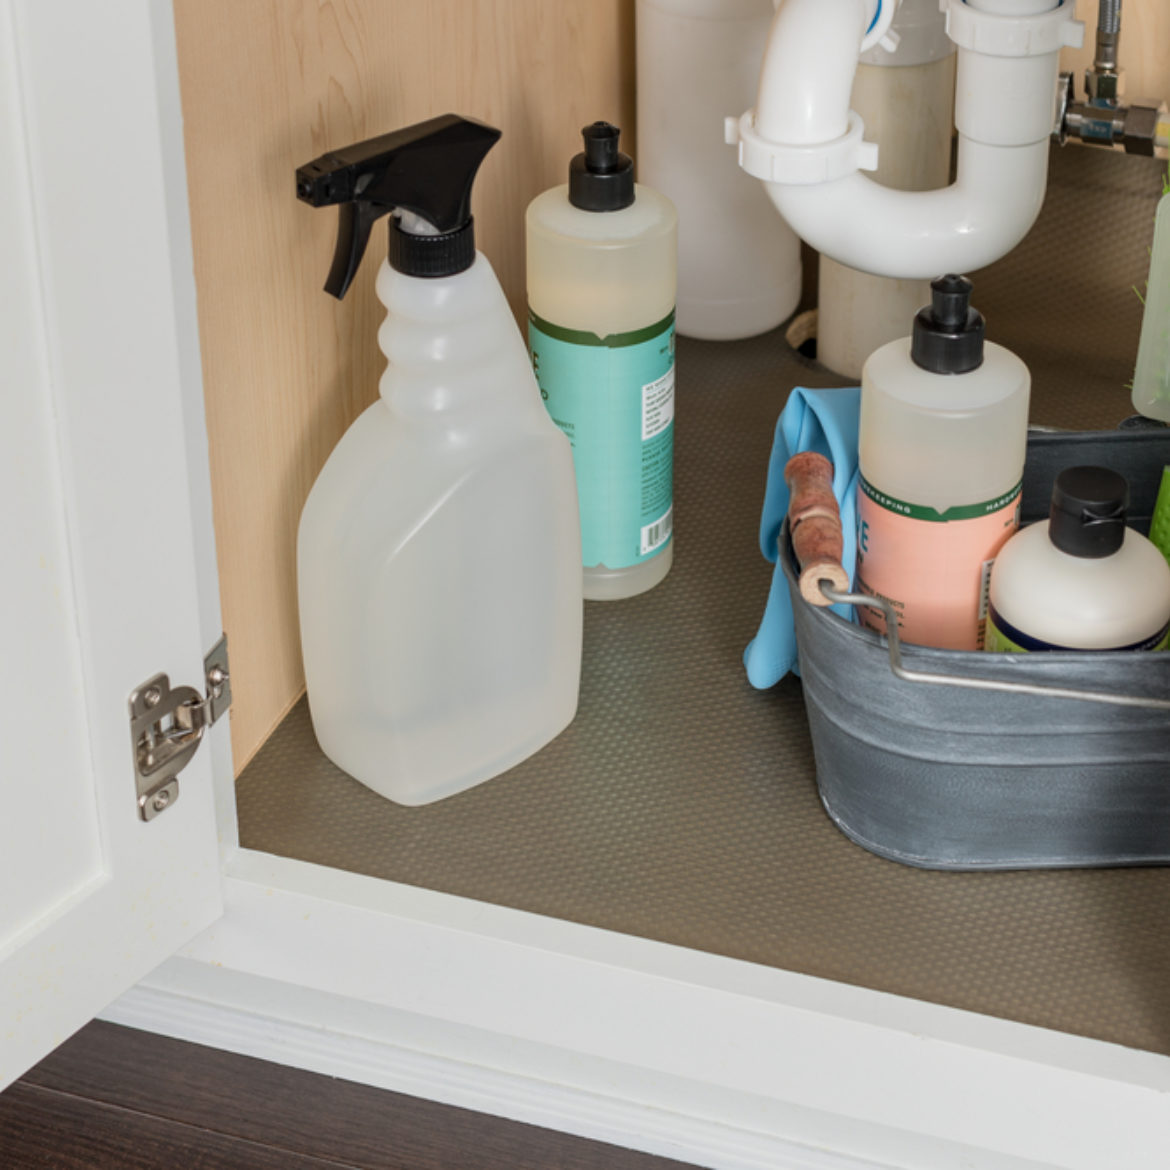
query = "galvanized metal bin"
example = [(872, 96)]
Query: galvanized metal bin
[(946, 777)]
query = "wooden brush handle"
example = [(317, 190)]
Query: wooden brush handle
[(814, 523)]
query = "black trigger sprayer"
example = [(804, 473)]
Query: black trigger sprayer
[(427, 169)]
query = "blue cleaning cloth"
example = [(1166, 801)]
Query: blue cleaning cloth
[(824, 421)]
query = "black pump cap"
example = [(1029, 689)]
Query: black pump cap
[(429, 169), (601, 178), (1087, 517), (948, 334)]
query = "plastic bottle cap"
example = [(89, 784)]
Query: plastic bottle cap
[(439, 254), (1087, 516), (948, 333), (601, 178)]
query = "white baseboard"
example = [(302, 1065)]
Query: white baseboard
[(161, 1006), (677, 1053)]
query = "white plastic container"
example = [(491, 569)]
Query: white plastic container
[(941, 457), (602, 277), (739, 268), (1151, 378), (438, 553), (1082, 580)]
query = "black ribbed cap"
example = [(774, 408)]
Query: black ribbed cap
[(601, 178), (948, 333), (441, 255), (1087, 517)]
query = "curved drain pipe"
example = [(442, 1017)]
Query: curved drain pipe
[(808, 146)]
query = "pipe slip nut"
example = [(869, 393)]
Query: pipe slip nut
[(1013, 36), (805, 165)]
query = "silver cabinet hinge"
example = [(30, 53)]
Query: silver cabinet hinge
[(167, 725)]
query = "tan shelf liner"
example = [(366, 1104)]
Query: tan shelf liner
[(681, 804)]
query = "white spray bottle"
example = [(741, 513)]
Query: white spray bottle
[(438, 556)]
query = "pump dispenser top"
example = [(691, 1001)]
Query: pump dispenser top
[(948, 334), (601, 178), (427, 170)]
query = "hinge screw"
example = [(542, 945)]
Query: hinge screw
[(162, 800), (152, 697)]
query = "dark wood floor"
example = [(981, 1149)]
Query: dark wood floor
[(113, 1098)]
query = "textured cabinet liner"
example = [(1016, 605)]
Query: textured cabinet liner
[(681, 805)]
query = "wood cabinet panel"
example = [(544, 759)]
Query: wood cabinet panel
[(268, 86)]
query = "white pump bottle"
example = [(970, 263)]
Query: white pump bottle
[(942, 437)]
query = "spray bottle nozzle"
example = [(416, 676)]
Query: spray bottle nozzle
[(325, 181), (427, 169)]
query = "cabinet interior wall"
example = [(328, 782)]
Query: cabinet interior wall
[(267, 87)]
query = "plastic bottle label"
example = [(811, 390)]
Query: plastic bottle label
[(931, 566), (1003, 636), (614, 399)]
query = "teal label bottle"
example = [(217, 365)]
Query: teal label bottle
[(614, 399)]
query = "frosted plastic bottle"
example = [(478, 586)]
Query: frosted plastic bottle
[(739, 271), (438, 554), (1083, 580), (1151, 377), (602, 272), (943, 432)]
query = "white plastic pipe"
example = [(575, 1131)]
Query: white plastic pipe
[(1004, 112), (920, 234), (907, 101), (808, 69)]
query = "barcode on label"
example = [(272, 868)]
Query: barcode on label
[(984, 604), (985, 589), (657, 534)]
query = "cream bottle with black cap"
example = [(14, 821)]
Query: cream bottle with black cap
[(1083, 580)]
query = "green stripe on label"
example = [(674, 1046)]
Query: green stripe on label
[(613, 341), (921, 512), (1003, 636)]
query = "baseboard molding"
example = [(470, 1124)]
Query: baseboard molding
[(392, 1066), (656, 1048)]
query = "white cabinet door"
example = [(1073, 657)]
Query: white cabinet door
[(97, 525)]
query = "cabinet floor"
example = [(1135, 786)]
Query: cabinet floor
[(682, 806), (113, 1098)]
